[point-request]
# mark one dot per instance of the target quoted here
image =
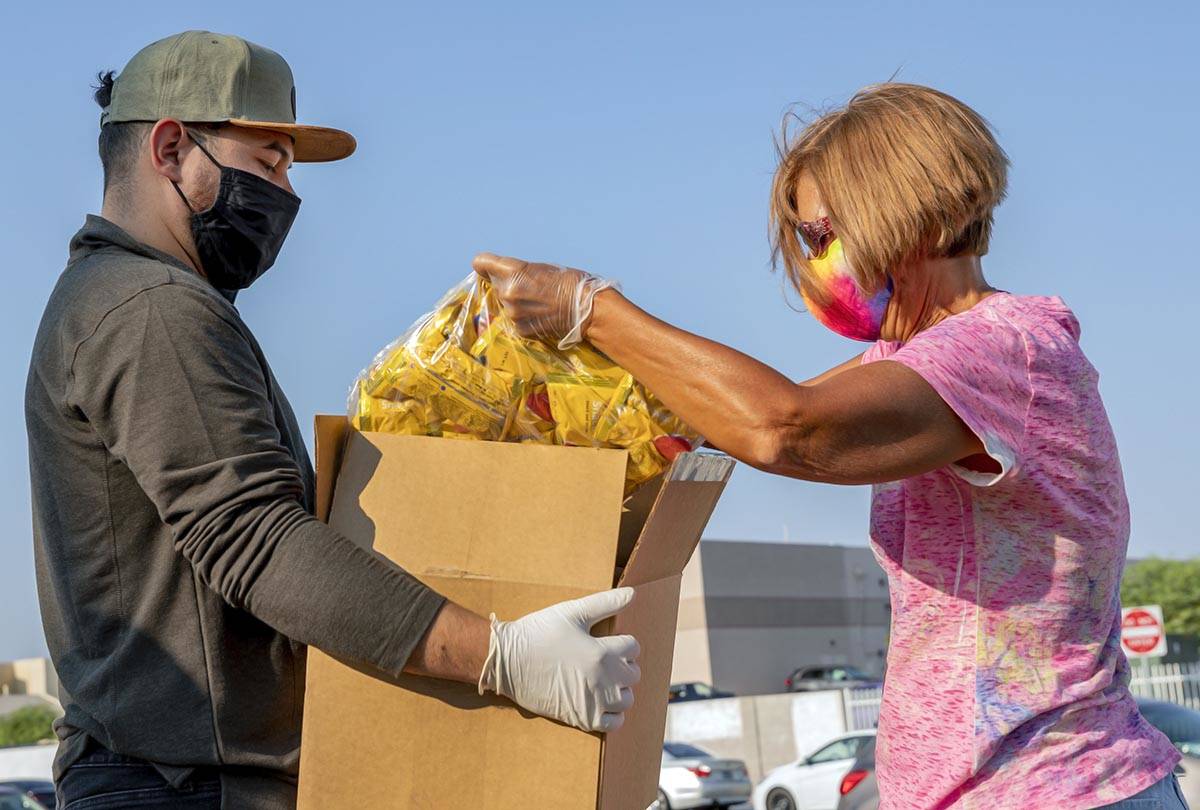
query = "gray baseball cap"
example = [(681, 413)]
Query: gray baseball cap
[(202, 77)]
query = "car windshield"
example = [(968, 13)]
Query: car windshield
[(683, 751), (837, 750), (702, 690), (848, 674), (14, 801)]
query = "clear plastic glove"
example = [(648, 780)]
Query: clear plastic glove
[(548, 662), (545, 301)]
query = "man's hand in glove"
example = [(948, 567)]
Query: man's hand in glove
[(545, 301), (550, 664)]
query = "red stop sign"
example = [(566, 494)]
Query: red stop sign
[(1140, 631)]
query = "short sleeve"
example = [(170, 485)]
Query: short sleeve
[(978, 363), (880, 350)]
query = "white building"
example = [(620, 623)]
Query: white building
[(28, 682), (751, 613)]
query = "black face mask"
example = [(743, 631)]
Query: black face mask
[(239, 237)]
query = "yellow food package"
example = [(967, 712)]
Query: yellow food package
[(453, 431), (633, 423), (645, 462), (585, 361), (463, 372), (586, 408), (533, 423), (497, 348), (392, 416)]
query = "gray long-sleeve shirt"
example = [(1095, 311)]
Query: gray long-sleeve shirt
[(180, 570)]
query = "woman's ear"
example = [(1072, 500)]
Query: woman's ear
[(169, 144)]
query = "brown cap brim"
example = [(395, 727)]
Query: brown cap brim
[(312, 144)]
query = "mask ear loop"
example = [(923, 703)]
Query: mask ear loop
[(182, 197), (200, 146), (195, 259), (207, 154)]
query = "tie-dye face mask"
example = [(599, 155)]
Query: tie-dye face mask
[(850, 312)]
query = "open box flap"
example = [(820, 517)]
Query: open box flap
[(515, 512), (633, 517), (625, 782), (330, 433), (684, 504)]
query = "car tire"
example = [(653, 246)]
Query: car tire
[(661, 802), (780, 799)]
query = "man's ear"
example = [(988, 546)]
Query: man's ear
[(169, 144)]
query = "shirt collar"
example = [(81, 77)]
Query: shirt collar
[(99, 233)]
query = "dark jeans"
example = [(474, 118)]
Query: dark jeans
[(102, 780), (1164, 794)]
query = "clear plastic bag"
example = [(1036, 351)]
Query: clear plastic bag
[(462, 372)]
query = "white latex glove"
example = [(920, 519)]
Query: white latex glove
[(548, 663), (545, 301)]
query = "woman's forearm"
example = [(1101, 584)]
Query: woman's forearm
[(854, 424), (740, 405)]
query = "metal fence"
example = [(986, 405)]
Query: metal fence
[(1177, 683), (862, 708)]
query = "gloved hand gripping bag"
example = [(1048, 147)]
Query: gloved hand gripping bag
[(463, 372)]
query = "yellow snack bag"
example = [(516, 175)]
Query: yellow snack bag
[(585, 408), (460, 389), (633, 423), (533, 421), (463, 372), (497, 348), (453, 431), (389, 416), (644, 463), (586, 361)]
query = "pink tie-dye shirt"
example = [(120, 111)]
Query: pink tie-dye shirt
[(1006, 686)]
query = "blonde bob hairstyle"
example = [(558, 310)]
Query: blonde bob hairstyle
[(904, 172)]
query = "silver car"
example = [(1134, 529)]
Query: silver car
[(812, 679), (13, 799), (858, 788), (692, 777)]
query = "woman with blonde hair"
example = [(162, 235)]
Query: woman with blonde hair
[(998, 508)]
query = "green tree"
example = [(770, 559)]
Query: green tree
[(27, 726), (1174, 584)]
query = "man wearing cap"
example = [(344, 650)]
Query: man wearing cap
[(180, 570)]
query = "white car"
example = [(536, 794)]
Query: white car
[(692, 777), (812, 782)]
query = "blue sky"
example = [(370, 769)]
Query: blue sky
[(634, 139)]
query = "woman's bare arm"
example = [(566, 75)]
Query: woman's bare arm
[(852, 425), (855, 424), (853, 362)]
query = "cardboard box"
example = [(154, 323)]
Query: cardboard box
[(504, 528)]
